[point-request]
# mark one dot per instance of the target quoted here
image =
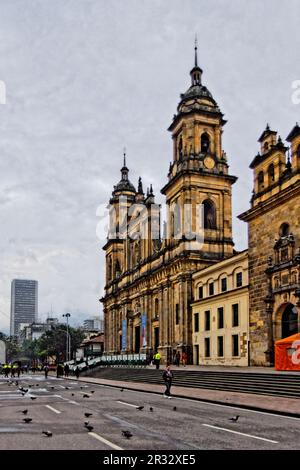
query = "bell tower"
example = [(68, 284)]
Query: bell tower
[(198, 175)]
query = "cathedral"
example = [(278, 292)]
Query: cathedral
[(150, 295)]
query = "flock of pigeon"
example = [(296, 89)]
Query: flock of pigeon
[(125, 433), (28, 420)]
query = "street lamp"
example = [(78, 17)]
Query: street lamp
[(68, 345)]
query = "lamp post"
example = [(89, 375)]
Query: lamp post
[(68, 345)]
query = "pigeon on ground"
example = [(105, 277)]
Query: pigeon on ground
[(92, 391), (87, 415), (86, 423), (33, 398), (24, 412), (67, 388), (174, 408), (89, 428), (122, 390), (37, 385), (27, 420), (235, 418), (72, 394), (86, 396), (140, 408), (47, 433), (52, 388), (127, 434), (151, 409)]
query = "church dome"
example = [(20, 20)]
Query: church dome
[(197, 97), (124, 185)]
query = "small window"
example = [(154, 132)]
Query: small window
[(284, 230), (109, 268), (239, 279), (261, 180), (235, 345), (220, 317), (235, 315), (196, 322), (224, 284), (177, 314), (211, 288), (207, 347), (220, 346), (271, 173), (207, 320), (180, 147), (266, 146), (200, 292)]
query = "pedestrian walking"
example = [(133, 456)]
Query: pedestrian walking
[(77, 372), (184, 358), (46, 370), (67, 370), (168, 376)]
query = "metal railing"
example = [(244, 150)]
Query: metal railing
[(111, 360)]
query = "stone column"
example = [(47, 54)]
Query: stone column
[(161, 318), (269, 314), (130, 336)]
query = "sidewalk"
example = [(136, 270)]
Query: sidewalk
[(279, 405)]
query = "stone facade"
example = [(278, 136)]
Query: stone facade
[(274, 241), (150, 275), (149, 285), (221, 313)]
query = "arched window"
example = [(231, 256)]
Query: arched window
[(177, 219), (298, 151), (209, 214), (205, 143), (289, 321), (180, 147), (266, 146), (118, 268), (284, 230), (261, 180), (271, 174), (109, 269)]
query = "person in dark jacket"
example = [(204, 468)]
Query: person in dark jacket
[(77, 372), (168, 376)]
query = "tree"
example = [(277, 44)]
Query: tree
[(31, 349), (12, 349), (3, 336), (54, 341)]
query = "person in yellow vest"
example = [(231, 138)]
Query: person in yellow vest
[(157, 358)]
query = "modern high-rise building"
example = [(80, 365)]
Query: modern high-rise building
[(95, 323), (24, 304)]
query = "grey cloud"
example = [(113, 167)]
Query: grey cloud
[(84, 78)]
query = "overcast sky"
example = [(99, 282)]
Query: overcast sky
[(84, 79)]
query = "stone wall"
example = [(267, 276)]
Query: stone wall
[(263, 230)]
